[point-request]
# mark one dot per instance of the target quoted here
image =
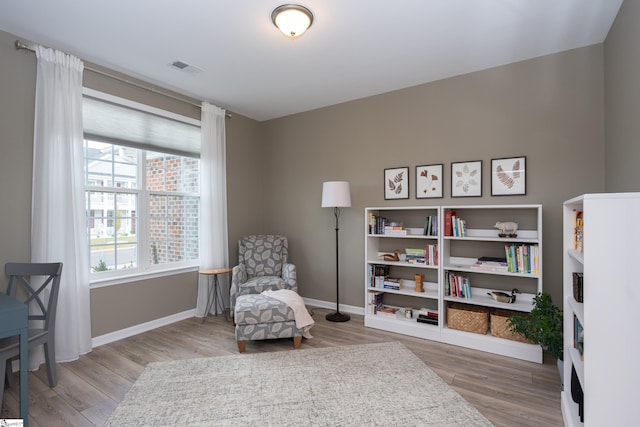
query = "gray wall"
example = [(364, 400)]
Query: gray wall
[(622, 100), (549, 109), (17, 92), (121, 306)]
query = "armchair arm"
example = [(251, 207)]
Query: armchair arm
[(289, 276), (238, 277)]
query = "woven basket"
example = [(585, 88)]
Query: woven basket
[(500, 326), (469, 318)]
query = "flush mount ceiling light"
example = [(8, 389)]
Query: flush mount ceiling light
[(292, 19)]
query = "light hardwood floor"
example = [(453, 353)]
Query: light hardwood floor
[(507, 391)]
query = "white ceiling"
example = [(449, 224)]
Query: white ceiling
[(354, 49)]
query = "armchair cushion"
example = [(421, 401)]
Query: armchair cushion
[(263, 255), (257, 308)]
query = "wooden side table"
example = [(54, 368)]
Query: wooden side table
[(213, 291)]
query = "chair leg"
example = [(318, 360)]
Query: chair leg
[(50, 358), (297, 341), (242, 346), (4, 372), (7, 377)]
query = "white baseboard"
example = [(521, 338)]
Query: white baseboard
[(351, 309), (143, 327)]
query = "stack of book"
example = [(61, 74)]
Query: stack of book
[(375, 301), (454, 226), (392, 283), (486, 263), (459, 227), (428, 315), (394, 230), (456, 285), (578, 336), (387, 310), (431, 225), (523, 258), (377, 275), (577, 286), (428, 255)]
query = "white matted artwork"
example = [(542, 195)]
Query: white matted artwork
[(466, 179), (429, 181), (508, 176), (396, 183)]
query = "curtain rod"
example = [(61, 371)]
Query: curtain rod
[(23, 46)]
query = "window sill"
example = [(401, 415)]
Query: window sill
[(136, 277)]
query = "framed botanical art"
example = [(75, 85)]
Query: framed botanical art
[(508, 176), (466, 179), (429, 181), (396, 183)]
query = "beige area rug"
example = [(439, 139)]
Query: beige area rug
[(360, 385)]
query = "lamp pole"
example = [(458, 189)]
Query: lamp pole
[(337, 316), (336, 194)]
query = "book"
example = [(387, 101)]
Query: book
[(578, 286), (386, 310), (457, 285), (431, 225), (578, 231), (448, 223), (427, 320), (578, 337), (375, 300), (490, 264), (393, 231), (428, 312)]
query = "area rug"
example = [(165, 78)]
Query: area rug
[(360, 385)]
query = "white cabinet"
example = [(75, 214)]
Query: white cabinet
[(412, 220), (455, 255), (607, 368), (481, 240)]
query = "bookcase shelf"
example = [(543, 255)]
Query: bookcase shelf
[(607, 369), (455, 254)]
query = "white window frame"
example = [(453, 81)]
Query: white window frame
[(144, 270)]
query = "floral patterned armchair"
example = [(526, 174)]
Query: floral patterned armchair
[(262, 265)]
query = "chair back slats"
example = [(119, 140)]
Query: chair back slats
[(28, 275)]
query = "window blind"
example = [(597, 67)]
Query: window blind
[(118, 124)]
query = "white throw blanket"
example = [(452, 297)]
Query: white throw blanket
[(303, 319)]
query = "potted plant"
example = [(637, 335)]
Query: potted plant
[(542, 326)]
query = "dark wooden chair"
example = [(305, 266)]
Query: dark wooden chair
[(33, 279)]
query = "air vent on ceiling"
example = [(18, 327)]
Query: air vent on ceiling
[(187, 68)]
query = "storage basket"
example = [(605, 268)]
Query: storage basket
[(500, 326), (469, 318)]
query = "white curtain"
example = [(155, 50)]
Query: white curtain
[(58, 224), (214, 250)]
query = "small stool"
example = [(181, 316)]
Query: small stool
[(212, 297), (259, 317)]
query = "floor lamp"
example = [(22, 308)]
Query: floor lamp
[(336, 195)]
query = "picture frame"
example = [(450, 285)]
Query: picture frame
[(466, 179), (429, 181), (396, 183), (508, 176)]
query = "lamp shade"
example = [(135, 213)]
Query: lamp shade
[(336, 194)]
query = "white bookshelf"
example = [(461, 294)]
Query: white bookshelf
[(455, 254), (607, 370)]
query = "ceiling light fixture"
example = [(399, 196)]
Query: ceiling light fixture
[(292, 19)]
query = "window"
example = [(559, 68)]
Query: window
[(142, 193)]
